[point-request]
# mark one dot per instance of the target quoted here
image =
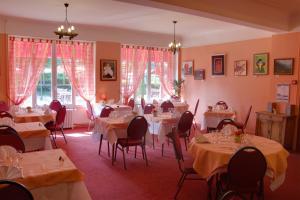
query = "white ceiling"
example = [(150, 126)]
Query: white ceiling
[(191, 29)]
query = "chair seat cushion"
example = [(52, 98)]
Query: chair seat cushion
[(125, 142)]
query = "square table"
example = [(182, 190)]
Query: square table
[(34, 116), (212, 118)]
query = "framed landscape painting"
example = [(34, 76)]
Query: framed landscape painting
[(283, 92), (108, 70), (283, 66), (218, 65), (188, 67), (240, 68), (199, 74), (261, 64)]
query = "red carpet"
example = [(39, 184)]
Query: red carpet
[(157, 181)]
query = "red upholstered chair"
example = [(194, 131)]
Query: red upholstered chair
[(13, 190), (149, 108), (185, 172), (104, 113), (9, 136), (232, 195), (166, 105), (4, 114), (184, 127), (225, 122), (245, 173), (131, 103), (195, 112), (3, 106), (222, 103), (55, 105), (58, 124), (143, 103), (136, 133), (241, 125)]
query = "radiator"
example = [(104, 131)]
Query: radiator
[(69, 119)]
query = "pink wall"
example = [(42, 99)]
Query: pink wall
[(240, 91), (108, 50), (3, 47)]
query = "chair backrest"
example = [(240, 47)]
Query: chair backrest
[(176, 144), (246, 168), (55, 105), (137, 128), (148, 108), (225, 122), (9, 136), (131, 103), (143, 103), (13, 190), (3, 106), (5, 114), (222, 103), (106, 111), (232, 195), (196, 107), (166, 105), (60, 116), (185, 122), (247, 118)]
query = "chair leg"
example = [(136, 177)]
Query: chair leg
[(135, 151), (114, 153), (185, 143), (62, 131), (162, 149), (180, 186), (100, 144), (124, 158), (153, 141), (108, 151), (54, 142), (144, 154)]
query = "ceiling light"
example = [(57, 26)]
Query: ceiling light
[(174, 46), (66, 29)]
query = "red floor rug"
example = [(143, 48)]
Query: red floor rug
[(157, 181)]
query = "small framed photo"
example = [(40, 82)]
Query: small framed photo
[(218, 64), (283, 66), (283, 92), (240, 68), (108, 70), (188, 67), (261, 64), (199, 74)]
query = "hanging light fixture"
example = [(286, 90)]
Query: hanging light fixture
[(66, 29), (174, 46)]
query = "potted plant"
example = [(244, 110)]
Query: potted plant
[(177, 84)]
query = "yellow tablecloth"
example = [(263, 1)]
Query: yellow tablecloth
[(33, 117), (43, 168), (31, 129), (209, 158)]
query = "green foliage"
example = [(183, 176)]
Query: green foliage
[(177, 84)]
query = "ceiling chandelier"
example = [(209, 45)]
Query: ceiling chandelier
[(66, 29), (174, 46)]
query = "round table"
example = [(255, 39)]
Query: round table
[(212, 152)]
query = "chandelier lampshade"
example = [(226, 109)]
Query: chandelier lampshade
[(174, 46), (66, 29)]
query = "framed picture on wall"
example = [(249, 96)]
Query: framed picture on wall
[(283, 66), (199, 74), (108, 70), (240, 68), (261, 64), (188, 67), (218, 64), (283, 92)]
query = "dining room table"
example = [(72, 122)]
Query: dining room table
[(212, 153), (35, 115), (51, 175), (34, 135), (213, 117)]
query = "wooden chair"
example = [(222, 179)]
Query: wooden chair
[(166, 105), (105, 113), (136, 133), (186, 173), (245, 173), (222, 103), (13, 190), (58, 124), (9, 136), (4, 106), (241, 125), (184, 128)]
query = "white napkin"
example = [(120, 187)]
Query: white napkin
[(229, 129), (6, 121), (201, 139), (10, 172), (8, 163)]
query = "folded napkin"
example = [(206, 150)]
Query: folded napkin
[(9, 163), (10, 172), (201, 139), (7, 152), (6, 121), (229, 129)]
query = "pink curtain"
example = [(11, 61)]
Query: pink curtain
[(78, 62), (27, 59), (133, 65), (163, 60)]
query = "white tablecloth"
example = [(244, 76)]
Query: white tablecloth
[(213, 118)]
